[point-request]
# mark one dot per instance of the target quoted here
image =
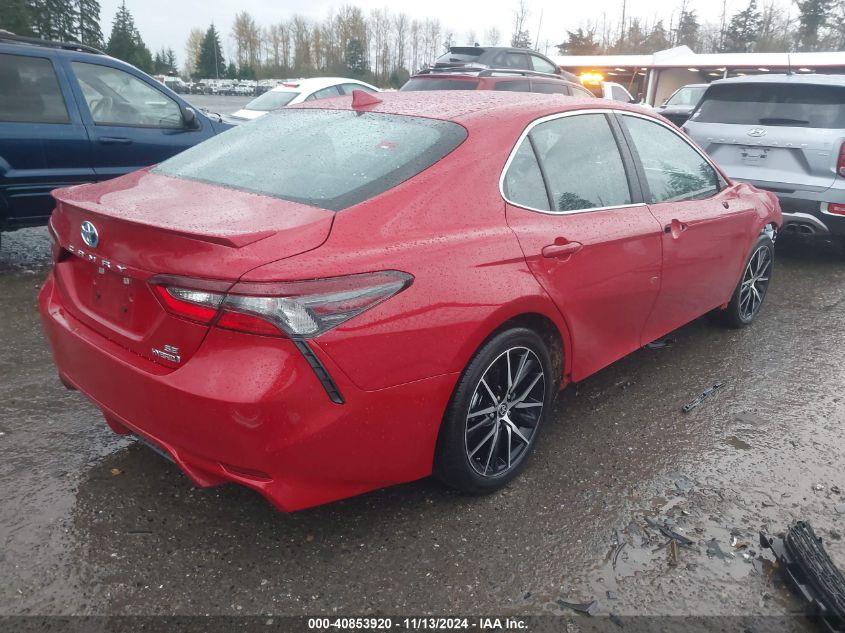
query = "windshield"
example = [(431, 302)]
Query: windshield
[(796, 105), (271, 101), (689, 96), (439, 84), (331, 159)]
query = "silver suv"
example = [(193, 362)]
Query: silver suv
[(785, 134)]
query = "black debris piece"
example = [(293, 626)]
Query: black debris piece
[(616, 620), (588, 608), (671, 534), (810, 572), (692, 404), (662, 342)]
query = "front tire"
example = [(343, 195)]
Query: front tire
[(747, 299), (495, 414)]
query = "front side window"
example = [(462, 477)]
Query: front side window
[(541, 65), (330, 159), (29, 91), (325, 93), (115, 97), (673, 169), (348, 88), (271, 100), (582, 163), (618, 93), (523, 183)]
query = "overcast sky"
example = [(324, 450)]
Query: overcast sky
[(167, 22)]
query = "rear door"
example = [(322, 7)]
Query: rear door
[(43, 142), (576, 208), (781, 136), (706, 226), (131, 121)]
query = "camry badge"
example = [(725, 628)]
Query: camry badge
[(89, 234), (756, 132)]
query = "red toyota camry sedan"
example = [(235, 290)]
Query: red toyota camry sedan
[(365, 291)]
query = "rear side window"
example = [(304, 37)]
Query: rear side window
[(795, 105), (439, 84), (325, 93), (581, 92), (523, 183), (331, 159), (520, 85), (512, 60), (549, 88), (673, 169), (348, 88), (582, 163), (29, 91)]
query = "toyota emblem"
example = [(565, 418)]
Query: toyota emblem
[(89, 234)]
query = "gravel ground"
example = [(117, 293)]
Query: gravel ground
[(92, 523)]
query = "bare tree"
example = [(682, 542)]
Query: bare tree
[(492, 37), (192, 50), (520, 37)]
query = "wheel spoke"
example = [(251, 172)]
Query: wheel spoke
[(482, 412), (530, 387), (490, 391), (478, 425), (527, 405), (522, 363), (510, 435), (483, 442), (493, 445), (510, 376), (516, 430)]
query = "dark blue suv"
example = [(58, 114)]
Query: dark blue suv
[(70, 114)]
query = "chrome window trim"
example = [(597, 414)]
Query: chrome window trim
[(524, 135), (612, 111)]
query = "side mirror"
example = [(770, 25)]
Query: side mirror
[(189, 118)]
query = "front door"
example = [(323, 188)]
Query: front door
[(132, 124), (587, 237), (705, 225)]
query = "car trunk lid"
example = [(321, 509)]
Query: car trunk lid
[(150, 225)]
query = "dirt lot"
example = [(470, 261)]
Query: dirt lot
[(91, 523)]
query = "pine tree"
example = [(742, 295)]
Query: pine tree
[(687, 32), (125, 41), (742, 31), (88, 23), (353, 58), (812, 16), (210, 63), (580, 42), (16, 16), (231, 71)]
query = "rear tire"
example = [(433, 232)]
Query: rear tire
[(494, 417), (747, 299)]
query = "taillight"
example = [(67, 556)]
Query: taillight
[(195, 305), (836, 209), (840, 165), (304, 309), (298, 309)]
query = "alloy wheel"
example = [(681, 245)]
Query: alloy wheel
[(755, 282), (504, 412)]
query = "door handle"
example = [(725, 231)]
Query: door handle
[(676, 227), (114, 140), (561, 250)]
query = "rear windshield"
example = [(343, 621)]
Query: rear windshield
[(440, 84), (271, 101), (796, 105), (331, 159), (460, 56), (686, 96)]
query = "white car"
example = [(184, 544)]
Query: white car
[(297, 91)]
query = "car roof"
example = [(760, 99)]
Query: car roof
[(315, 83), (803, 79), (470, 107)]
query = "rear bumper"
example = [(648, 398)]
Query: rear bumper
[(250, 410), (805, 212)]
